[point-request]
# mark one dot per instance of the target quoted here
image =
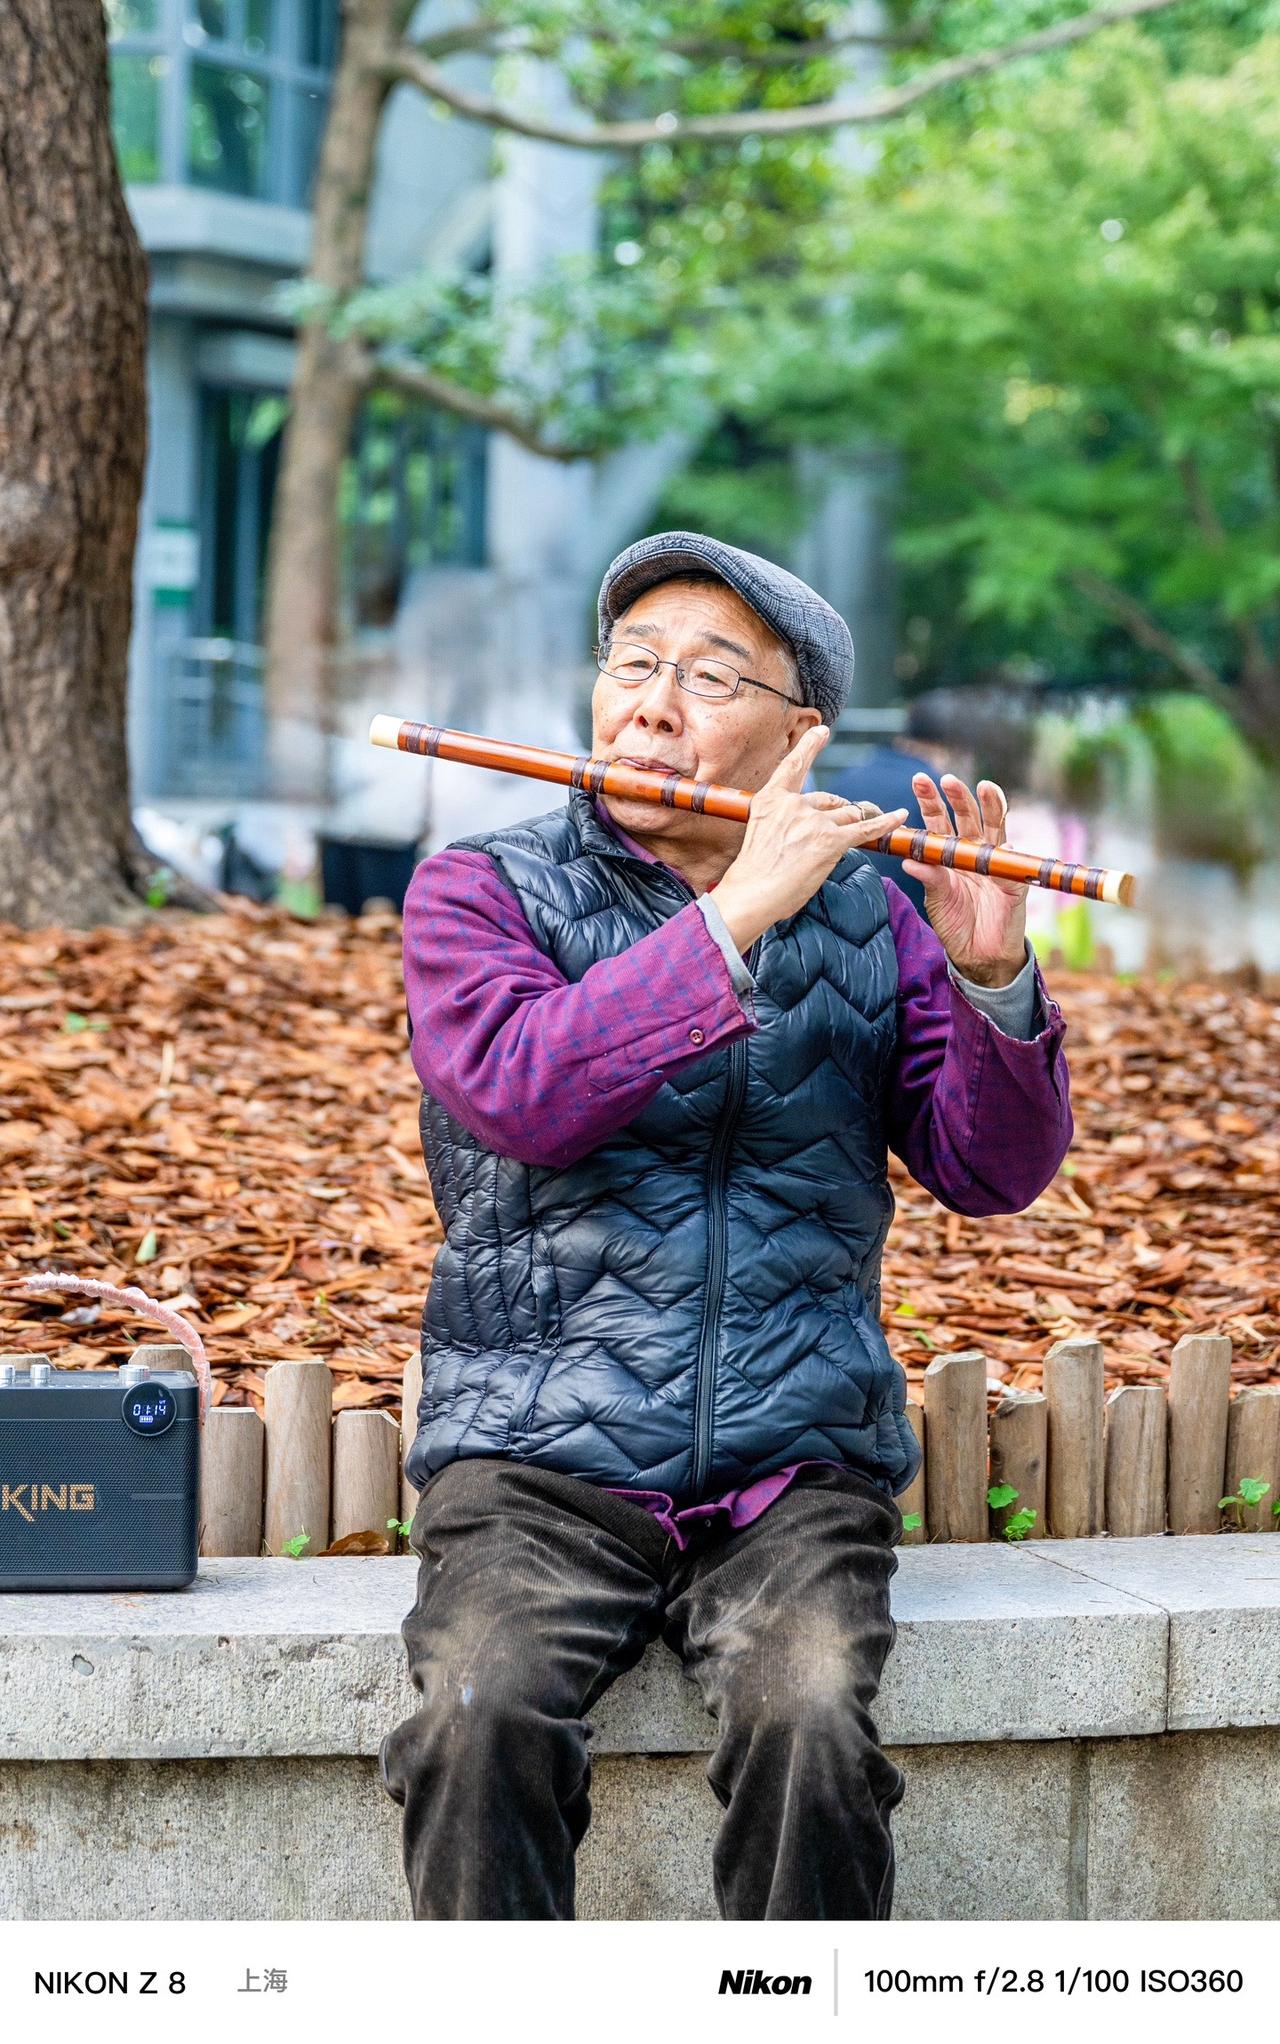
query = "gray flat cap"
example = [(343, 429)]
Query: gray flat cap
[(817, 634)]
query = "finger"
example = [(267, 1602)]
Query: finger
[(969, 822), (825, 798), (933, 879), (995, 810), (792, 768), (934, 813), (868, 829)]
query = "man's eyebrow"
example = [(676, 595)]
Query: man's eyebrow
[(647, 631)]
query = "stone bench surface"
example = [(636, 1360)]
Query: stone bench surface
[(1042, 1640)]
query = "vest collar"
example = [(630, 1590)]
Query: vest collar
[(596, 837)]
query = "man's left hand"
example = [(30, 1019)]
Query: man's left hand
[(981, 922)]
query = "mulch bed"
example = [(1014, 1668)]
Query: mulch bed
[(222, 1110)]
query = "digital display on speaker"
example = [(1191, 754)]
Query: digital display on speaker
[(150, 1408)]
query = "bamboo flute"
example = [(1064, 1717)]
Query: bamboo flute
[(705, 798)]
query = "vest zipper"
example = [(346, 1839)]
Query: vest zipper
[(717, 1236), (717, 1231)]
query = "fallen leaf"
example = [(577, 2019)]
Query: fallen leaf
[(359, 1543)]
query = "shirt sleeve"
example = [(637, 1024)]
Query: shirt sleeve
[(744, 980), (538, 1067), (1016, 1008), (980, 1116)]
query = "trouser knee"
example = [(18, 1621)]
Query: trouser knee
[(506, 1740)]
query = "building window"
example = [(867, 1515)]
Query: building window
[(241, 434), (412, 495), (226, 94)]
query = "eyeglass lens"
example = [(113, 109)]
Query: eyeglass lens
[(634, 664)]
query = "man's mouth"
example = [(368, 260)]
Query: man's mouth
[(659, 766)]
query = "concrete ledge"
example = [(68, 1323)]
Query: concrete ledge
[(1049, 1640), (1085, 1726)]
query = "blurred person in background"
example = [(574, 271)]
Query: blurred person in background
[(930, 745)]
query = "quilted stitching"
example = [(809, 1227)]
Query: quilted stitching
[(802, 1368)]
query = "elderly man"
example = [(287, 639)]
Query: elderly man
[(663, 1059)]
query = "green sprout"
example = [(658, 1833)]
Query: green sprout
[(294, 1547), (911, 1520), (401, 1526), (160, 886), (1249, 1491), (1018, 1524)]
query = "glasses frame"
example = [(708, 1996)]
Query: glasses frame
[(602, 653)]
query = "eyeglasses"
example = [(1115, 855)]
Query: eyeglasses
[(632, 665)]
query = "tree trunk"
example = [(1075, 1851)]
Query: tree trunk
[(304, 558), (1259, 714), (72, 446)]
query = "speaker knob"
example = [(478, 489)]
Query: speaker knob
[(40, 1373), (134, 1373)]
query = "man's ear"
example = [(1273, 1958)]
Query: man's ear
[(798, 722)]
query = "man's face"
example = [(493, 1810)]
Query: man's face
[(737, 742)]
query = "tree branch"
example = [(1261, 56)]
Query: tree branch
[(470, 35), (498, 37), (1258, 665), (408, 66), (412, 379), (797, 52), (1197, 496), (1140, 625)]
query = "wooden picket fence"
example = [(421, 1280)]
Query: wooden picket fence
[(1147, 1459)]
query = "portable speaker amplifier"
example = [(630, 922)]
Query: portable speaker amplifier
[(99, 1477)]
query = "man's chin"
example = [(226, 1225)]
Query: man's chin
[(638, 816)]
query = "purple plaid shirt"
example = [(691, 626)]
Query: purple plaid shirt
[(543, 1069)]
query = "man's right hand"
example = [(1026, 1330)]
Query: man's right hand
[(792, 843)]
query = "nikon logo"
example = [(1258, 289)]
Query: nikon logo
[(753, 1981), (30, 1498)]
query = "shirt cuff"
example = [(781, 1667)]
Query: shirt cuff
[(743, 978), (1012, 1008)]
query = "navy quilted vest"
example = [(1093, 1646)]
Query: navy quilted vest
[(695, 1303)]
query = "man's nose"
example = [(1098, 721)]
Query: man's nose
[(660, 702)]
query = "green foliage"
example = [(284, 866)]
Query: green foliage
[(1249, 1491), (910, 1521), (301, 897), (295, 1546), (1067, 320), (1000, 1496), (1073, 935), (160, 886), (672, 313), (1183, 758), (400, 1526), (73, 1022), (1054, 294)]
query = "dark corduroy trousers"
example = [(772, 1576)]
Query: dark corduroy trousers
[(537, 1590)]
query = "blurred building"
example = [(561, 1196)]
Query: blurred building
[(471, 563)]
